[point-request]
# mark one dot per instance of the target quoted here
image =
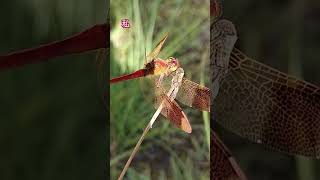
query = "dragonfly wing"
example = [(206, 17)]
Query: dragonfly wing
[(267, 106), (222, 164), (194, 95), (172, 111), (190, 93), (155, 52)]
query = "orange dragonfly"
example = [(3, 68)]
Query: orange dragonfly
[(188, 93)]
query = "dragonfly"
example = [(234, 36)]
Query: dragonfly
[(260, 103), (164, 70)]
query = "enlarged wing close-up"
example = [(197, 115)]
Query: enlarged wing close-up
[(269, 107)]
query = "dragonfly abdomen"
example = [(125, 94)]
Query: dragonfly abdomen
[(134, 75)]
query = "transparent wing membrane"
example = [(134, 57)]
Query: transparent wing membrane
[(155, 52), (173, 112), (191, 94), (268, 106), (194, 95), (165, 96)]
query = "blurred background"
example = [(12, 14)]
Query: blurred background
[(284, 35), (167, 152), (52, 120)]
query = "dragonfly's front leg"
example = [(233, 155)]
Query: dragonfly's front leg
[(176, 82), (159, 81)]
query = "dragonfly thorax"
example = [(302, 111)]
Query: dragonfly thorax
[(164, 67)]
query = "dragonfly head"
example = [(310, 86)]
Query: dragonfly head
[(173, 63)]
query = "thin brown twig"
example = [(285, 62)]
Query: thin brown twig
[(136, 148), (172, 95)]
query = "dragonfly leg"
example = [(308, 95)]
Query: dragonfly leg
[(159, 81), (176, 82)]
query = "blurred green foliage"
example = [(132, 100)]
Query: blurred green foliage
[(167, 152), (52, 121)]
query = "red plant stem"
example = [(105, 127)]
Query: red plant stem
[(215, 8), (90, 39)]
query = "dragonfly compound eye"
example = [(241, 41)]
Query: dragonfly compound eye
[(173, 60), (176, 62)]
